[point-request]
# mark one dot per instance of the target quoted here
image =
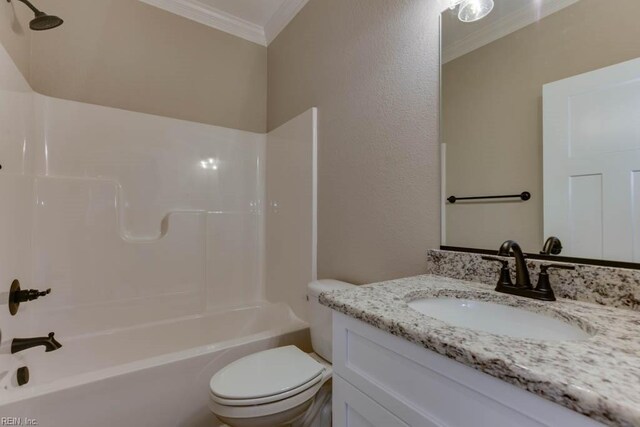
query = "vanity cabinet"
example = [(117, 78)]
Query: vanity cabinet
[(385, 381)]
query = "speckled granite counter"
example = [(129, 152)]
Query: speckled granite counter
[(599, 377), (615, 287)]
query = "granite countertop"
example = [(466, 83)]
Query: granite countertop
[(598, 377)]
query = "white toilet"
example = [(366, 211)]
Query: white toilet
[(281, 386)]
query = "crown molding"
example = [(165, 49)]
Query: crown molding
[(281, 18), (504, 26), (223, 21), (213, 17), (445, 4)]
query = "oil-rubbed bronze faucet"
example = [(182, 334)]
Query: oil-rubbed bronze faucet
[(522, 271), (17, 296), (21, 344), (522, 287), (552, 246)]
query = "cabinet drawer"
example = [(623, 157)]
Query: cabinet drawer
[(352, 408)]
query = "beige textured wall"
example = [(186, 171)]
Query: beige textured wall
[(371, 68), (15, 35), (127, 54), (492, 114)]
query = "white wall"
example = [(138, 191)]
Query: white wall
[(127, 215), (291, 222), (16, 184), (115, 212)]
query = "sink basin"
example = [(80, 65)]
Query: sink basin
[(498, 319)]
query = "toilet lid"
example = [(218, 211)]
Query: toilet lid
[(266, 373)]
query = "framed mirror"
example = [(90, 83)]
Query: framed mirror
[(540, 127)]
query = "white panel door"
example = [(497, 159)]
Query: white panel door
[(592, 162)]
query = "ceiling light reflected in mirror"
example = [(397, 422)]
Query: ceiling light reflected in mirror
[(472, 10)]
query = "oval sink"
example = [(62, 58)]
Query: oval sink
[(498, 319)]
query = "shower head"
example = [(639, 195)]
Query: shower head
[(42, 21)]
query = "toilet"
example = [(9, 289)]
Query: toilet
[(281, 386)]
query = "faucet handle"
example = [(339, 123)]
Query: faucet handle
[(18, 295), (505, 273), (544, 285), (544, 268)]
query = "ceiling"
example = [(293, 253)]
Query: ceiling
[(259, 21), (459, 38)]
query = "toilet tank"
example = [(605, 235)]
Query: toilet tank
[(320, 316)]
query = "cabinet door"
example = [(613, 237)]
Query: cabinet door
[(352, 408)]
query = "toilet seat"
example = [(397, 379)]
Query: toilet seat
[(266, 383), (266, 409), (267, 399)]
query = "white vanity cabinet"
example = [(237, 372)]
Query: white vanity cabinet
[(385, 381)]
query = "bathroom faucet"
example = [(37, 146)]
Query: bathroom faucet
[(553, 246), (21, 344), (522, 272), (522, 287)]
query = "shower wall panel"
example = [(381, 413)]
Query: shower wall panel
[(130, 218)]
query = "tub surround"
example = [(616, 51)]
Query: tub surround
[(144, 227), (598, 377), (614, 287)]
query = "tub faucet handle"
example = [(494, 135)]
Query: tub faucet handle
[(29, 295), (17, 296)]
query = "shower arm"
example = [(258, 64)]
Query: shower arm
[(29, 5)]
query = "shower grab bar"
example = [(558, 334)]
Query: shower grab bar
[(524, 196)]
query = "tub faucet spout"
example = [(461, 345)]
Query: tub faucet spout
[(21, 344)]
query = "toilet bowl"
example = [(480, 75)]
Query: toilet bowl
[(281, 386), (269, 388)]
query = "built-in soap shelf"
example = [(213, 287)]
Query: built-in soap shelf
[(86, 255), (115, 212), (96, 268), (101, 199)]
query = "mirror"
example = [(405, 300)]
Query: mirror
[(543, 97)]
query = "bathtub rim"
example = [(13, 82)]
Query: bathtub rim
[(17, 395)]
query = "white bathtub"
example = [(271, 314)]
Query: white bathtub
[(151, 375)]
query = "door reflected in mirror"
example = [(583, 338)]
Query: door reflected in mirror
[(543, 96)]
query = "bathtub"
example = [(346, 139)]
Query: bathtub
[(150, 375)]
